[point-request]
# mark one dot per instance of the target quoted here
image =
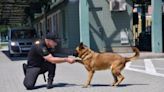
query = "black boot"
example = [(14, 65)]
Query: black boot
[(24, 68), (49, 83)]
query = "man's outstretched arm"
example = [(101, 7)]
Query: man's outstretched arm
[(55, 60)]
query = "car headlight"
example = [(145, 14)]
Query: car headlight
[(14, 43)]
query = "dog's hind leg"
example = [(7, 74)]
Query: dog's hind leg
[(115, 79), (117, 76), (90, 75), (120, 78)]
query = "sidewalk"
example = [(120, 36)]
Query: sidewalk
[(143, 54), (2, 48), (151, 55), (69, 78)]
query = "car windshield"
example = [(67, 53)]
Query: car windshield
[(23, 34)]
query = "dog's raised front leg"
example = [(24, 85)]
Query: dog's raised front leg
[(90, 75)]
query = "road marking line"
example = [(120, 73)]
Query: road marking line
[(149, 67), (139, 66), (128, 65), (158, 59)]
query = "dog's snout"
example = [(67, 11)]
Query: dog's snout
[(75, 53)]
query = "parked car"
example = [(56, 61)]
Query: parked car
[(20, 40)]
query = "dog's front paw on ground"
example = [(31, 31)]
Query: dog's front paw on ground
[(113, 84)]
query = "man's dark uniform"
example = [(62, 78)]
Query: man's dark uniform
[(36, 65)]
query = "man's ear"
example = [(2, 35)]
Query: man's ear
[(81, 45)]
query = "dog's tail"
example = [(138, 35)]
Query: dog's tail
[(137, 53)]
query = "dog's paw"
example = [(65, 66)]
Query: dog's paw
[(113, 84), (75, 58)]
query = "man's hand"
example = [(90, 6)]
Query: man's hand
[(70, 60)]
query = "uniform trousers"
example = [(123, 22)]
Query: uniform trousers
[(32, 73)]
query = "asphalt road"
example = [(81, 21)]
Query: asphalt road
[(142, 75)]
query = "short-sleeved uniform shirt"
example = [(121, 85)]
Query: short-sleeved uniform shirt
[(37, 52)]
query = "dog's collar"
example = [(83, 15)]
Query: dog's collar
[(83, 53), (88, 57)]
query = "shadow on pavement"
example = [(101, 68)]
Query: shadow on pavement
[(121, 85), (15, 57), (64, 85), (99, 85), (125, 85), (56, 85)]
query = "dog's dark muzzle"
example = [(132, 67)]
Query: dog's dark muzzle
[(75, 54)]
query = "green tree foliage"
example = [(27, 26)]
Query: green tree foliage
[(3, 28)]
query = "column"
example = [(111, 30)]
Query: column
[(84, 22), (157, 44)]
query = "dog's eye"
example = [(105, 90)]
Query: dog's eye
[(82, 48)]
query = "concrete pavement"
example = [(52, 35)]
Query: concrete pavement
[(70, 77)]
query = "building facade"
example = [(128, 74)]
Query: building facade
[(109, 24), (63, 19)]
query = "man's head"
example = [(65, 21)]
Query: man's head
[(51, 39)]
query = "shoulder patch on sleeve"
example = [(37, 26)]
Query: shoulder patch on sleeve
[(45, 51)]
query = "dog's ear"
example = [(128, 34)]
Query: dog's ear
[(81, 45)]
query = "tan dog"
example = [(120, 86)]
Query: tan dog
[(100, 61)]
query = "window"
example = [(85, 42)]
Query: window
[(117, 5), (23, 34), (49, 24)]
